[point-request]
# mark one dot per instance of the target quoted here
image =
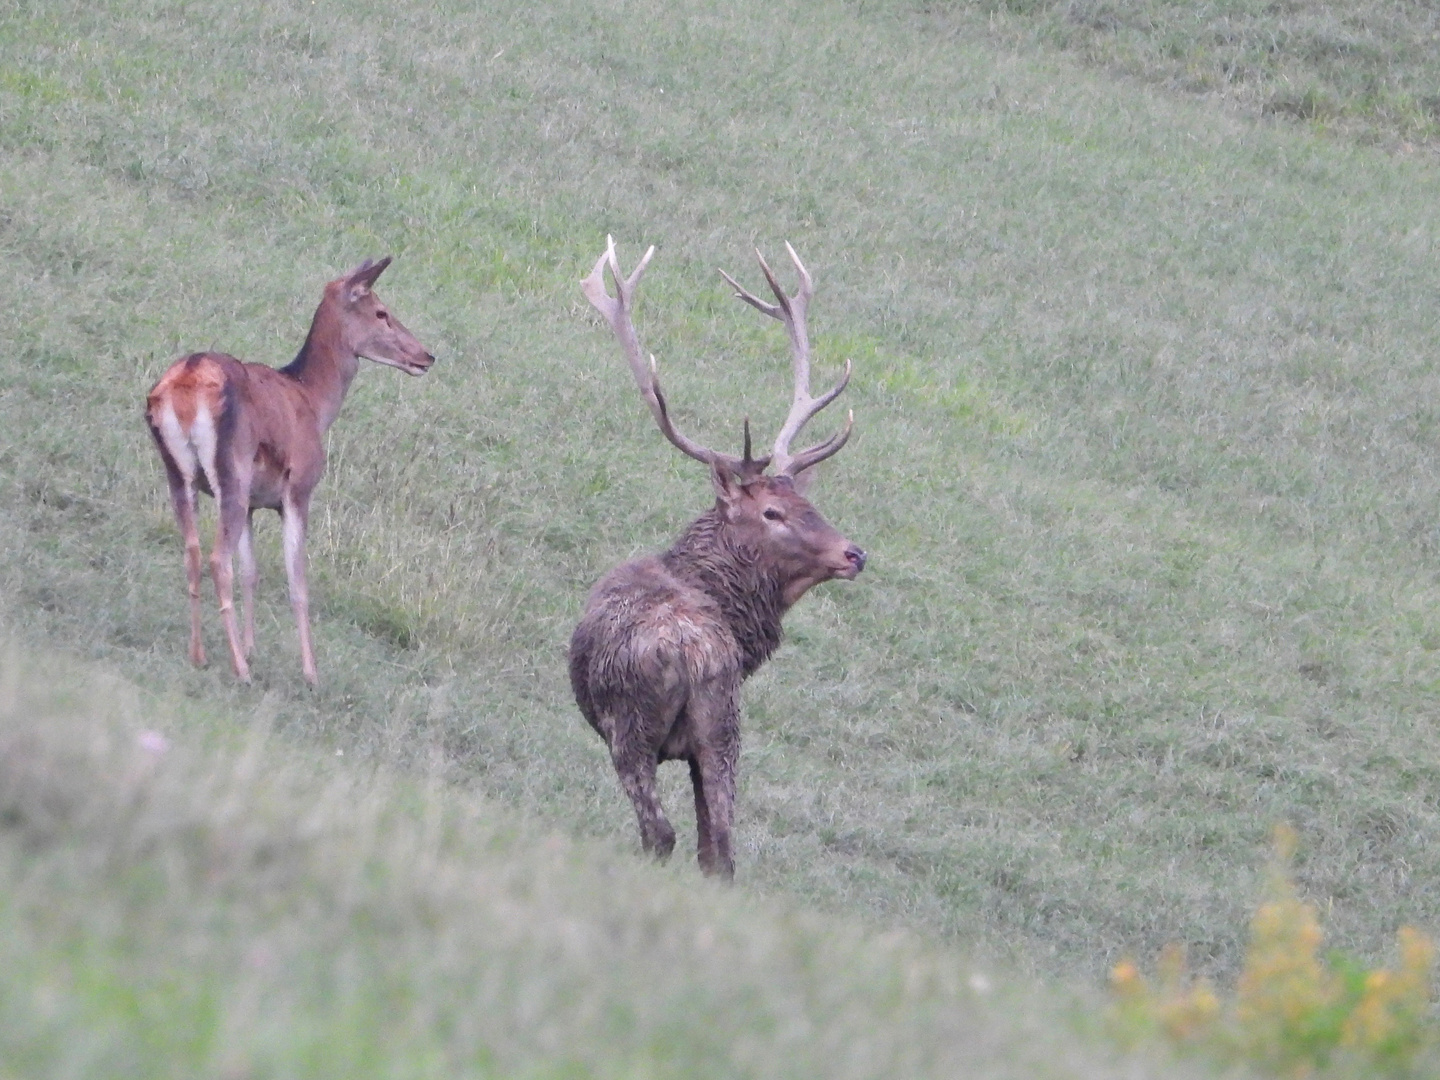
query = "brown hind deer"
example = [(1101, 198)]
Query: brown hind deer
[(657, 660), (252, 436)]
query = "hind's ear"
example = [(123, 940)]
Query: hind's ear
[(362, 279)]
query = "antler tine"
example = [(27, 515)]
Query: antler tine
[(616, 311), (792, 311), (787, 303), (820, 451)]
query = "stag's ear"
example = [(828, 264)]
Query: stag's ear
[(802, 481), (361, 280), (728, 489)]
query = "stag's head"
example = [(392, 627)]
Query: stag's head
[(366, 324), (767, 514)]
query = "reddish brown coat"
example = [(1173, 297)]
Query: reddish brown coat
[(253, 437)]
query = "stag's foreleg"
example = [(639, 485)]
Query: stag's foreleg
[(635, 763), (295, 517)]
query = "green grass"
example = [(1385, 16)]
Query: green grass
[(1144, 453)]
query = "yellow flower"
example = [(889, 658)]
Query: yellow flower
[(1388, 1016), (1126, 979)]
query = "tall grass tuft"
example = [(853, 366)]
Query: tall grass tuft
[(1295, 1010)]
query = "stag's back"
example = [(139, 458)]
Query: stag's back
[(649, 638)]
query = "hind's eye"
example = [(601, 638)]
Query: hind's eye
[(384, 316), (771, 514)]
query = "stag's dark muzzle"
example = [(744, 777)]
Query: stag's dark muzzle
[(856, 558)]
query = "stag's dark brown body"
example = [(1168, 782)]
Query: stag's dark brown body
[(657, 660)]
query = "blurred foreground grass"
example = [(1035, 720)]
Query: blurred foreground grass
[(181, 895)]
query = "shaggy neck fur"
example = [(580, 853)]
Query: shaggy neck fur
[(749, 595)]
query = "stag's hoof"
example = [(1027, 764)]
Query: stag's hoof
[(662, 843)]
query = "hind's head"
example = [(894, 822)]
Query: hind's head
[(368, 327)]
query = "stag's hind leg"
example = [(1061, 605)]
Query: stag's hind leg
[(706, 842), (714, 777), (716, 720), (208, 439), (636, 764)]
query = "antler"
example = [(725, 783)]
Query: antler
[(791, 310), (616, 310)]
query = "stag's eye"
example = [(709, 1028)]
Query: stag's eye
[(771, 514), (383, 316)]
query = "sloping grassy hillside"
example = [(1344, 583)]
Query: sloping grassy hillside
[(247, 910), (1145, 459)]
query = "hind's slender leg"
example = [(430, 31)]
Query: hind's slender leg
[(232, 500), (244, 547), (182, 498), (294, 514)]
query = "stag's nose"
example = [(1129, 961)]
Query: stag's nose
[(856, 557)]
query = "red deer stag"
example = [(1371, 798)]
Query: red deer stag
[(657, 660), (253, 437)]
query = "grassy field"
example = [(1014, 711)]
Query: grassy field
[(1145, 460)]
